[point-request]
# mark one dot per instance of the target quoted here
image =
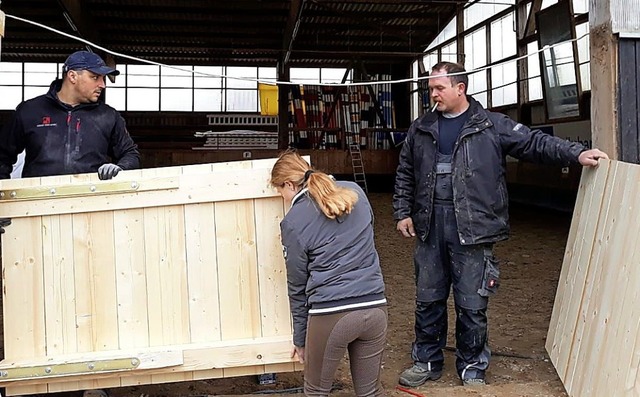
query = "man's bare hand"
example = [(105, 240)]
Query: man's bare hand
[(405, 227), (590, 158)]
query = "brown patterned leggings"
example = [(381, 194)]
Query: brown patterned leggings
[(362, 333)]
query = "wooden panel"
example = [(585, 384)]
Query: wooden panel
[(237, 266), (565, 315), (203, 278), (594, 326), (23, 299), (202, 270), (628, 102), (131, 277), (95, 280), (194, 188), (274, 300)]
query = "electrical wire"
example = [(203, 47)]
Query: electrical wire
[(278, 82)]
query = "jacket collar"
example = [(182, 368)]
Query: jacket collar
[(429, 121), (297, 196), (52, 94)]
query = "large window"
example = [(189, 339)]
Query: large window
[(583, 55), (10, 84), (494, 20), (475, 44), (504, 76), (165, 88), (483, 10), (533, 66), (447, 33)]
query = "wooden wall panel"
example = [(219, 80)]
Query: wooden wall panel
[(628, 100), (594, 326)]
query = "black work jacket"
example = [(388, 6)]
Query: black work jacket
[(478, 171), (60, 139)]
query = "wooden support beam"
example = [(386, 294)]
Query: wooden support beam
[(80, 20), (291, 29), (283, 105), (530, 26), (603, 46)]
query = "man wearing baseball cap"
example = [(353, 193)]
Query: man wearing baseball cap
[(85, 60), (70, 130)]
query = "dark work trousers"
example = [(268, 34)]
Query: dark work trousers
[(441, 261)]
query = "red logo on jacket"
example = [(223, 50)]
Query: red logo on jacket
[(46, 120)]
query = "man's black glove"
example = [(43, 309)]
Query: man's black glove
[(4, 222), (108, 171)]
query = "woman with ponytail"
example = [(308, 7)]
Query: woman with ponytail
[(336, 290)]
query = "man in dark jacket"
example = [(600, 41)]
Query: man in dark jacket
[(69, 130), (451, 193)]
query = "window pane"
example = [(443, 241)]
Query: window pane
[(475, 45), (430, 60), (242, 100), (11, 73), (241, 72), (143, 99), (449, 53), (504, 92), (533, 59), (504, 74), (32, 92), (267, 74), (535, 88), (503, 38), (548, 3), (143, 76), (482, 11), (415, 104), (580, 6), (477, 82), (207, 76), (585, 77), (10, 98), (176, 99), (40, 73), (482, 98), (447, 33), (583, 43), (121, 79), (115, 97), (170, 77), (305, 75), (333, 75), (207, 100), (560, 57)]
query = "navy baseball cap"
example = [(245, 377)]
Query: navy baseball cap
[(85, 60)]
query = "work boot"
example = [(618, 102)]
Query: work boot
[(473, 382), (417, 375)]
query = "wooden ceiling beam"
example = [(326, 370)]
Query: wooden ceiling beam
[(291, 29), (80, 20)]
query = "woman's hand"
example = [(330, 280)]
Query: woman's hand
[(298, 351)]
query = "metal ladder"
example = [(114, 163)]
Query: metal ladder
[(358, 168)]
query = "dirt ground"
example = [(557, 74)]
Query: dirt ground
[(518, 319)]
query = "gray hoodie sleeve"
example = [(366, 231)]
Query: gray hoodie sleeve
[(297, 275)]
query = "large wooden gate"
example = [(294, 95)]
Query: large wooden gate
[(159, 275)]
